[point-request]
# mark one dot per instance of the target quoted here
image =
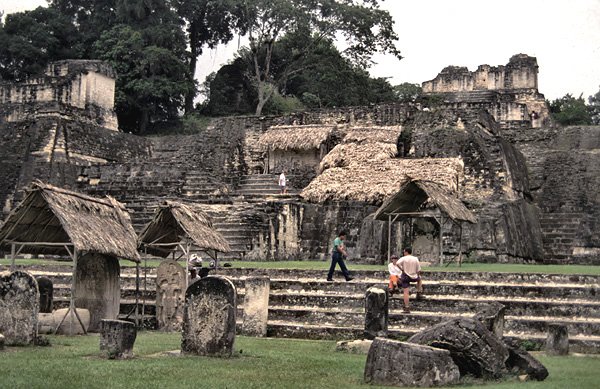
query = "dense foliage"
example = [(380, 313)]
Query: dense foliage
[(569, 110)]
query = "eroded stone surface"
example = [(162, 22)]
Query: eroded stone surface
[(492, 317), (376, 313), (521, 363), (359, 346), (557, 342), (19, 307), (170, 295), (97, 287), (117, 338), (46, 294), (256, 306), (394, 363), (209, 317), (474, 349)]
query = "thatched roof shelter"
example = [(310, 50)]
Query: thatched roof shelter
[(50, 217), (415, 193), (369, 173), (304, 137), (175, 222)]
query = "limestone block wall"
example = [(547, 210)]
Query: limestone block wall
[(564, 172), (78, 88)]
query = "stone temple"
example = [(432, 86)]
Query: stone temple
[(486, 137)]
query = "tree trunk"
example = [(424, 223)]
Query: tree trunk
[(144, 120), (189, 97)]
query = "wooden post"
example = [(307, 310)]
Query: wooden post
[(145, 279), (137, 294), (13, 254), (389, 238), (72, 309), (460, 246), (441, 224)]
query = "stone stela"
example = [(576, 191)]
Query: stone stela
[(170, 295), (19, 307), (209, 317)]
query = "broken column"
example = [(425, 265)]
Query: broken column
[(376, 313), (256, 306), (19, 307), (395, 363), (209, 317), (46, 293), (117, 338), (170, 295), (557, 342)]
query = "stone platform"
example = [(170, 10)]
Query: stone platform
[(303, 305)]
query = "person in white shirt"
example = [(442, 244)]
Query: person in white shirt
[(411, 272), (395, 274), (282, 182)]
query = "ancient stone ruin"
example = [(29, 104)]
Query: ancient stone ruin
[(256, 306), (19, 307), (170, 295), (488, 140), (209, 317)]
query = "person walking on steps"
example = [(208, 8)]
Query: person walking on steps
[(338, 255), (411, 272), (282, 183)]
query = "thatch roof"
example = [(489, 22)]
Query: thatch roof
[(413, 194), (344, 155), (174, 222), (53, 215), (365, 134), (303, 137), (369, 173)]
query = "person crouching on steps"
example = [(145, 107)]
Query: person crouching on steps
[(411, 272), (337, 256), (395, 274)]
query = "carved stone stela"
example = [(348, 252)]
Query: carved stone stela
[(170, 295)]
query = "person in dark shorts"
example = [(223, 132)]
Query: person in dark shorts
[(337, 256), (411, 272)]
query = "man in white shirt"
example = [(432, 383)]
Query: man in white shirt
[(411, 272), (282, 182)]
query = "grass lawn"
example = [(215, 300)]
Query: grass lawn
[(324, 265), (258, 363)]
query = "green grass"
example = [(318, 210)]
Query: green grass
[(257, 363), (324, 265)]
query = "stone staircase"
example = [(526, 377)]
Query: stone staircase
[(260, 187), (560, 232), (303, 305)]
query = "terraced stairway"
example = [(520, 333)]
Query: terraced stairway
[(303, 305), (258, 187)]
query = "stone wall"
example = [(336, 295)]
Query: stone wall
[(508, 92), (81, 88), (564, 172)]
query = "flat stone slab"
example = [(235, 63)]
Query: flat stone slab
[(394, 363)]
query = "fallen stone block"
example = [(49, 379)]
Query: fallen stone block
[(359, 346), (117, 338), (521, 363), (394, 363), (474, 349)]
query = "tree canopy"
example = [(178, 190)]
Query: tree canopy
[(569, 111), (364, 27)]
